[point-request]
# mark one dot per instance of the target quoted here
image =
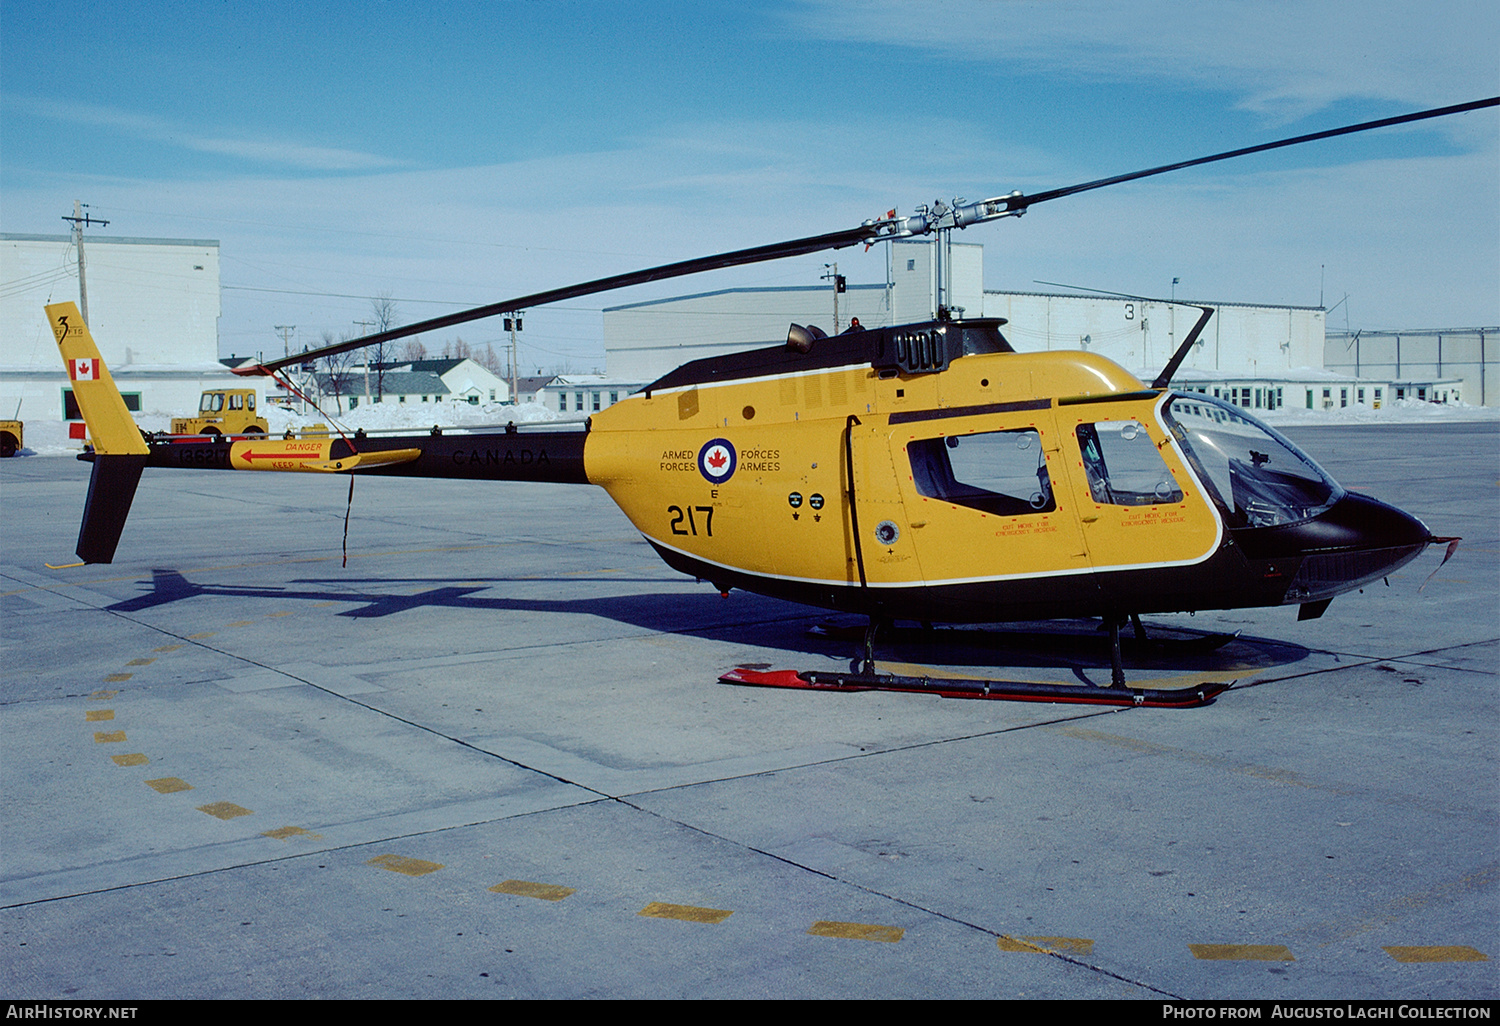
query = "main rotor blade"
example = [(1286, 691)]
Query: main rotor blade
[(758, 254), (870, 231), (1022, 202)]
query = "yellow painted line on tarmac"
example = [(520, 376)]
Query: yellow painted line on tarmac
[(142, 661), (1047, 945), (1438, 953), (1182, 681), (98, 715), (169, 785), (288, 832), (404, 865), (167, 648), (241, 623), (687, 913), (1275, 774), (858, 931), (102, 696), (201, 635), (939, 673), (108, 737), (116, 678), (133, 759), (224, 810), (271, 616), (527, 889), (1241, 952)]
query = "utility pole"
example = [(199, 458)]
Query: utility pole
[(513, 325), (80, 219), (838, 286), (285, 331)]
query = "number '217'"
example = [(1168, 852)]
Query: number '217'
[(692, 523)]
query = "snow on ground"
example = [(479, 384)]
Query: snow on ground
[(1398, 411), (50, 438)]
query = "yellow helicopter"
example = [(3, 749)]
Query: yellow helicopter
[(924, 472)]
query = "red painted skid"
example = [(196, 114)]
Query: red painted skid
[(1012, 691)]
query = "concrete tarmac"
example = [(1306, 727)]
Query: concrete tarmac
[(490, 758)]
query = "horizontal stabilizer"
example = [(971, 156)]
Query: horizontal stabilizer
[(111, 490)]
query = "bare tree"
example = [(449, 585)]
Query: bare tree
[(337, 378), (383, 310), (490, 360), (414, 350)]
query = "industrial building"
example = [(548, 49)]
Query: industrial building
[(153, 309), (1256, 356), (1451, 365)]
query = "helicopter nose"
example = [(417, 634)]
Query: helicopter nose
[(1355, 541)]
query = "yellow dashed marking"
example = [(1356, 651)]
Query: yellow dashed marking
[(168, 785), (133, 759), (106, 737), (271, 615), (241, 623), (202, 634), (858, 931), (224, 810), (402, 864), (167, 648), (98, 715), (527, 889), (320, 605), (102, 696), (142, 661), (1438, 953), (115, 678), (1242, 952), (941, 673), (287, 832), (688, 913), (1047, 945)]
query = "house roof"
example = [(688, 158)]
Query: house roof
[(394, 383)]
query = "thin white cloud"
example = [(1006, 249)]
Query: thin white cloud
[(1284, 58), (1413, 240), (275, 153)]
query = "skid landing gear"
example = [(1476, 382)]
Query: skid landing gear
[(1005, 690), (864, 677)]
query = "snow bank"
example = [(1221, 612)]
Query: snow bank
[(50, 438), (1398, 411)]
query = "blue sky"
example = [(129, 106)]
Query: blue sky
[(455, 154)]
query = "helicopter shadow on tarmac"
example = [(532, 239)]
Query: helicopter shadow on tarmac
[(1076, 647)]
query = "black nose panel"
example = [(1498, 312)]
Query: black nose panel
[(1355, 522), (1353, 542)]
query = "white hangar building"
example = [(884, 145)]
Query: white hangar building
[(153, 309), (1247, 353)]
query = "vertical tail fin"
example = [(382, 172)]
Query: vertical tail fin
[(120, 451), (110, 424)]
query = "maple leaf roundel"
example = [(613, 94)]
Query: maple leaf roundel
[(717, 460)]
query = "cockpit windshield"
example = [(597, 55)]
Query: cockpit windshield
[(1257, 477)]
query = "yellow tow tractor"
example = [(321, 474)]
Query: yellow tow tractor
[(11, 438), (223, 412)]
